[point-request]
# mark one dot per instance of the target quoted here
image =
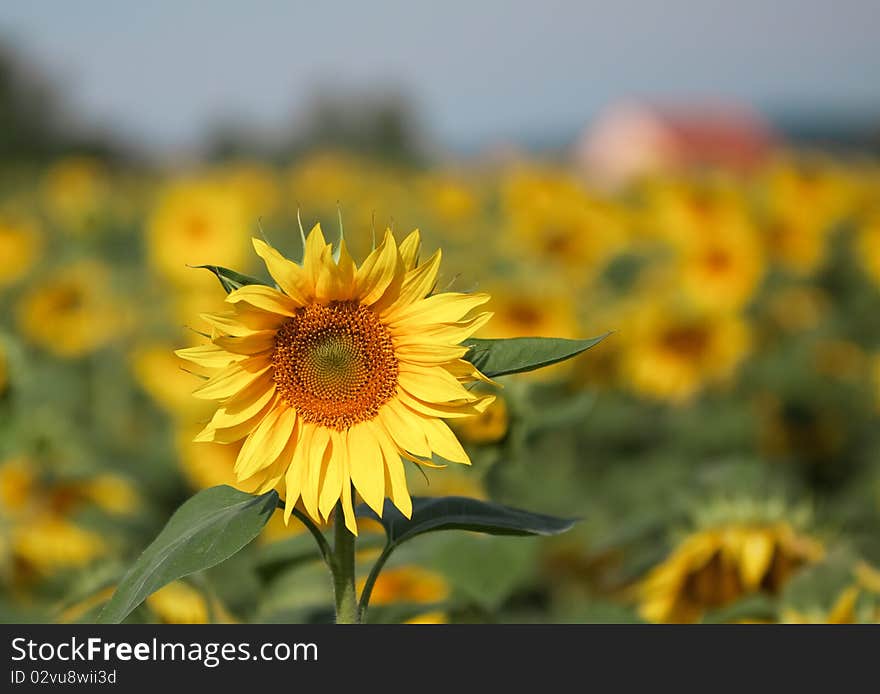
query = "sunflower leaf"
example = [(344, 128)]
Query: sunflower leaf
[(207, 529), (230, 279), (518, 354), (463, 513)]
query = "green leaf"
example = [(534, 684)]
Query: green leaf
[(519, 354), (230, 279), (208, 528), (463, 513)]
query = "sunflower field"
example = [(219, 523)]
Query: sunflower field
[(720, 448)]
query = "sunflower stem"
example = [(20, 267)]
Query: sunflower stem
[(347, 609)]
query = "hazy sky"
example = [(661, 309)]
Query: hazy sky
[(479, 70)]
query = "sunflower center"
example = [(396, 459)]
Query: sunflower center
[(335, 364)]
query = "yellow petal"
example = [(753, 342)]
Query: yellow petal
[(457, 411), (260, 341), (318, 450), (404, 427), (409, 249), (347, 507), (377, 271), (318, 264), (449, 334), (395, 476), (417, 284), (427, 355), (431, 383), (232, 379), (443, 441), (235, 432), (246, 404), (265, 298), (295, 476), (263, 446), (344, 286), (210, 356), (448, 307), (243, 323), (287, 274), (367, 466), (331, 485), (755, 557)]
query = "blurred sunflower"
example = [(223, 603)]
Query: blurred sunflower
[(76, 191), (73, 312), (21, 242), (179, 603), (560, 226), (673, 350), (722, 267), (716, 566), (407, 584), (195, 222), (255, 185), (205, 464), (343, 359), (868, 246), (490, 426), (164, 376)]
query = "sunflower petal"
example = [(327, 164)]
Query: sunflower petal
[(265, 298), (209, 355), (443, 442), (395, 476), (377, 271), (331, 484), (287, 274), (367, 472), (431, 384), (409, 249), (232, 379), (265, 443)]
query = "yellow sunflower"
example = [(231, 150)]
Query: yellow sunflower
[(339, 373), (673, 350), (74, 312), (196, 220), (20, 246), (716, 566)]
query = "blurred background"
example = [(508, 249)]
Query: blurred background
[(702, 178)]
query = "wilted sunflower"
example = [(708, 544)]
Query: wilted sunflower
[(340, 372)]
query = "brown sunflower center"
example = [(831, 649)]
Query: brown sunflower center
[(335, 364)]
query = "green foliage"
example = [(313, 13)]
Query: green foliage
[(462, 513), (519, 354), (208, 528), (230, 280)]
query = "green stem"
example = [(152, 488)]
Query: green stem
[(371, 579), (347, 610), (323, 546)]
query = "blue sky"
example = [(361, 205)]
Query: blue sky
[(478, 71)]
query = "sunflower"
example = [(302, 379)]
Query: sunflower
[(75, 191), (197, 219), (868, 245), (179, 603), (718, 565), (489, 426), (408, 584), (673, 350), (20, 245), (721, 267), (72, 313), (339, 373)]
